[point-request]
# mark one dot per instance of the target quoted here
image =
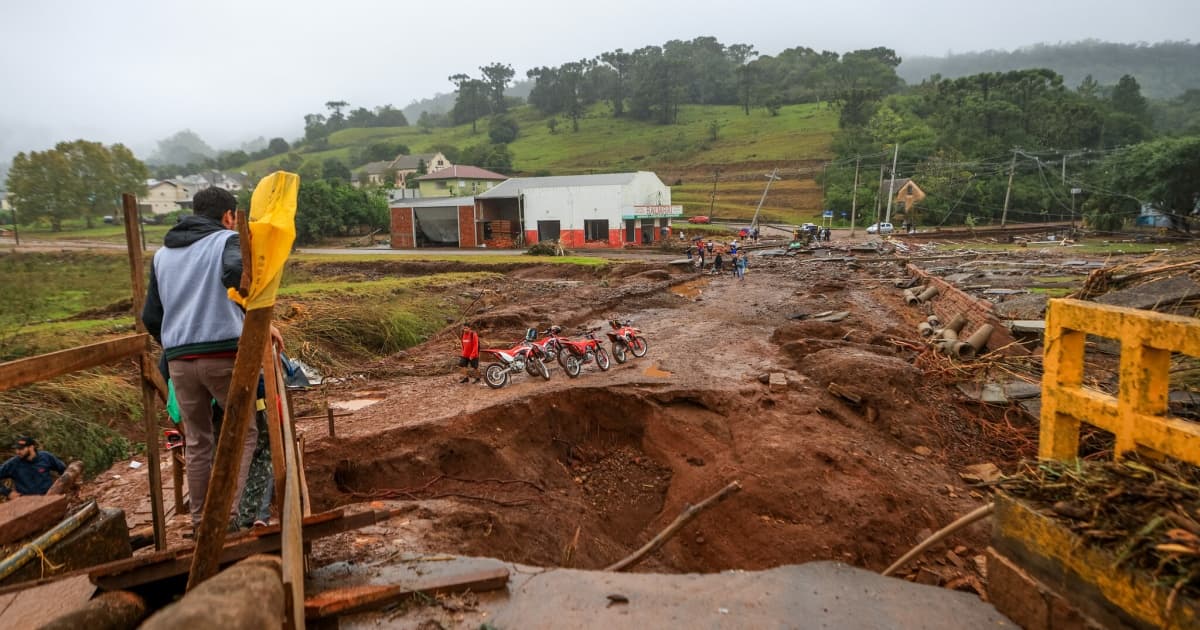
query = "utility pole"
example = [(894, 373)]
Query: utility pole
[(1064, 172), (892, 185), (770, 178), (16, 233), (1012, 169), (879, 190), (824, 170), (854, 196), (713, 200)]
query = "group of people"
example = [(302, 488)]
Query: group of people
[(808, 233), (30, 469), (718, 251)]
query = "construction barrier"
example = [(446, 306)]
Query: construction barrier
[(1138, 415)]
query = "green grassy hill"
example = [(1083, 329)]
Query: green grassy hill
[(684, 155)]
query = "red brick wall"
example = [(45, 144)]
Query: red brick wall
[(466, 226), (951, 301), (402, 228)]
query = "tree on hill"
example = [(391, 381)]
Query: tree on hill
[(621, 63), (472, 101), (742, 55), (277, 146), (336, 120), (1127, 98), (388, 116), (334, 168), (496, 77), (502, 129)]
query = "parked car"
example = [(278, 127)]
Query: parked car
[(881, 228), (699, 219), (109, 220)]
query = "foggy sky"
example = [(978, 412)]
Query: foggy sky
[(134, 71)]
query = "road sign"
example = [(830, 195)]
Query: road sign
[(1076, 191), (828, 214)]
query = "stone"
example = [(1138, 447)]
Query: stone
[(984, 473), (777, 381), (923, 451)]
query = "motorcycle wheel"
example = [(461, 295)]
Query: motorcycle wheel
[(571, 365), (618, 352), (602, 359), (532, 369), (542, 369), (496, 375), (562, 357), (639, 346)]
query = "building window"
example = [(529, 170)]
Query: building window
[(596, 230)]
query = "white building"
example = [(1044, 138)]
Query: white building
[(609, 210)]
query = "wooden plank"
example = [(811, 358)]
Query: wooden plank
[(22, 372), (352, 599), (239, 412), (153, 436), (137, 267), (274, 427), (292, 535), (137, 572), (30, 514)]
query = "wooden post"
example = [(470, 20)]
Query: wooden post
[(329, 415), (275, 428), (137, 276)]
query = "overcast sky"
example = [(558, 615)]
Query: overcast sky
[(134, 71)]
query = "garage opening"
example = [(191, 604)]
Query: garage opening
[(630, 231), (595, 230), (548, 230), (436, 227)]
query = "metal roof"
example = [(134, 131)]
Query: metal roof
[(433, 202), (513, 187), (462, 172)]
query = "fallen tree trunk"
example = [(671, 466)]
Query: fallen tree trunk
[(118, 610), (683, 519), (68, 480), (247, 595)]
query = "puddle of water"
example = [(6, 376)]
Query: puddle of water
[(691, 289), (354, 405), (656, 371)]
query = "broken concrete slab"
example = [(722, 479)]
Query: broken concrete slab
[(777, 382), (1000, 393), (1027, 326), (816, 594), (958, 278), (983, 473), (831, 316), (1154, 295), (1030, 306)]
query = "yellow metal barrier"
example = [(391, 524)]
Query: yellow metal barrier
[(1138, 414)]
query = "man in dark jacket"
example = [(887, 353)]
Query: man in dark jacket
[(29, 469), (189, 312)]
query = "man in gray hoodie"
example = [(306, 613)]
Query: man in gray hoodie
[(190, 314)]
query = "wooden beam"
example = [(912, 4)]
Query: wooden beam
[(275, 427), (67, 481), (352, 599), (27, 515), (239, 412), (137, 268), (153, 436), (43, 367), (292, 517)]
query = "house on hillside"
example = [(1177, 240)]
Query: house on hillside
[(458, 181), (580, 211), (400, 168)]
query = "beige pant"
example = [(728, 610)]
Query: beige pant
[(197, 383)]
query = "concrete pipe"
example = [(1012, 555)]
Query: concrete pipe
[(966, 350), (945, 346), (928, 294), (957, 323), (948, 334), (910, 298), (934, 321), (925, 329)]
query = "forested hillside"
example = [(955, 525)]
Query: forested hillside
[(1164, 69)]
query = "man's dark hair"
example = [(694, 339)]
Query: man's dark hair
[(213, 203)]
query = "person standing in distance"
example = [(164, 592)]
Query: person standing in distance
[(188, 311), (468, 360)]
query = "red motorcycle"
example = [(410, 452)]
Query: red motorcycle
[(525, 356), (573, 354), (550, 344), (625, 337)]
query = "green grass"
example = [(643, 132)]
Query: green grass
[(76, 230), (1084, 247), (607, 144), (48, 286), (388, 286)]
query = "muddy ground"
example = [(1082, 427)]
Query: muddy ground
[(580, 472)]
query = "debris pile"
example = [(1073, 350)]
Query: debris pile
[(1147, 514)]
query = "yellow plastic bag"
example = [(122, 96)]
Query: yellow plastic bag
[(272, 224)]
